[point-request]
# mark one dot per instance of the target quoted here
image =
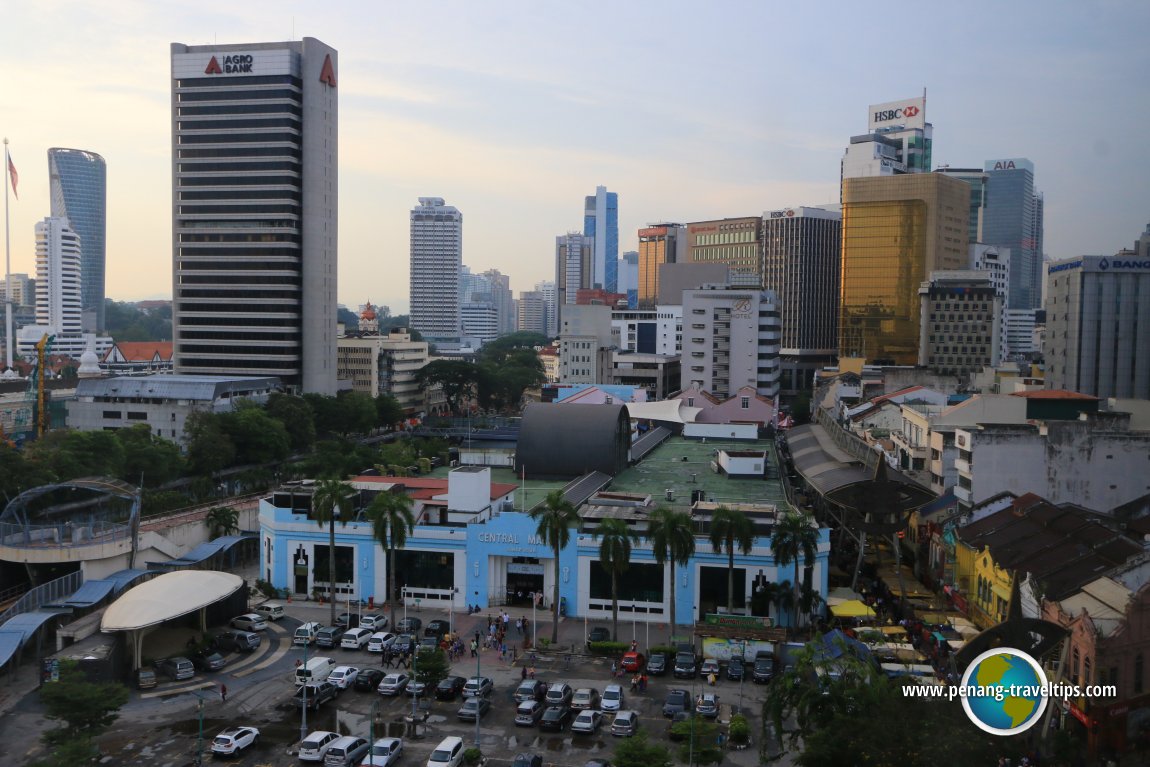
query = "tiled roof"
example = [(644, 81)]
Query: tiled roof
[(143, 351), (436, 485), (1054, 394)]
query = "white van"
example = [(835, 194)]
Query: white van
[(306, 633), (271, 611), (449, 753), (315, 670)]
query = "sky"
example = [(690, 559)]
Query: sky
[(514, 111)]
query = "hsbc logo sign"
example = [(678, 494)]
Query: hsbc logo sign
[(886, 115), (909, 112)]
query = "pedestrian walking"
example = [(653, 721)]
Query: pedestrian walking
[(519, 627), (523, 674), (474, 648), (224, 693)]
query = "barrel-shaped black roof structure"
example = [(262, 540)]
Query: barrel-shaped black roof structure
[(561, 441)]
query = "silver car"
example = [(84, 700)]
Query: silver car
[(587, 722), (314, 747), (626, 724)]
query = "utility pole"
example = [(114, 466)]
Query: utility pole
[(303, 708), (200, 736), (479, 691)]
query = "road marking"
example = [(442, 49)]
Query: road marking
[(177, 690), (277, 628), (275, 656)]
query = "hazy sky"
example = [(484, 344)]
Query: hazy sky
[(514, 111)]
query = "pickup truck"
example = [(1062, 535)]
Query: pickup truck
[(317, 694)]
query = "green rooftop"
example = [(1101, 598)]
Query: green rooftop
[(535, 490)]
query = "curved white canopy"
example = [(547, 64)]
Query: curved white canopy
[(168, 596)]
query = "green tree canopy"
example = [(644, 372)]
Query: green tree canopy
[(731, 531), (145, 456), (84, 708), (258, 438), (457, 378), (795, 537), (637, 751), (554, 519), (209, 447), (296, 416)]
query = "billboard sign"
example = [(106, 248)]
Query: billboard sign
[(908, 113)]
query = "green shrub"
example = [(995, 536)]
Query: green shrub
[(740, 731), (267, 589), (608, 648), (544, 643), (665, 649), (472, 755)]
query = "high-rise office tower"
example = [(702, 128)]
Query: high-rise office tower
[(730, 340), (960, 330), (628, 282), (1097, 326), (601, 224), (977, 178), (436, 263), (995, 262), (736, 242), (1013, 219), (254, 211), (532, 313), (896, 231), (59, 288), (547, 289), (802, 258), (574, 266), (899, 141), (79, 189), (658, 244)]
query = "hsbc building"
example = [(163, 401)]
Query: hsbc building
[(898, 141), (254, 211)]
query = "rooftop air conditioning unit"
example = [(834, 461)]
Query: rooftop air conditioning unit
[(455, 464), (670, 494)]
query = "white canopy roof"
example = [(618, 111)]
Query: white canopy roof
[(668, 411), (168, 596)]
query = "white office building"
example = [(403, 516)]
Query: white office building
[(995, 262), (255, 183), (436, 264), (898, 141), (731, 339)]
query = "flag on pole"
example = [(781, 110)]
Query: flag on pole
[(14, 176)]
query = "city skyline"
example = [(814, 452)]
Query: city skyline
[(462, 110)]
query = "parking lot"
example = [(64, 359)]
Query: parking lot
[(161, 726)]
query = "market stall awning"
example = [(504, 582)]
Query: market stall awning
[(852, 608)]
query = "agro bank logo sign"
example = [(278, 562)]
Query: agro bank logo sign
[(1004, 691)]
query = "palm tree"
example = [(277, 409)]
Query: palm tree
[(554, 520), (731, 530), (672, 542), (615, 555), (332, 499), (795, 536), (221, 521), (391, 523)]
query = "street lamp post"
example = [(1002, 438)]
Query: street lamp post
[(478, 658), (534, 631), (303, 701), (371, 723), (414, 679), (200, 736)]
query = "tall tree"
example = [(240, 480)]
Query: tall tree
[(615, 555), (209, 446), (222, 520), (554, 520), (297, 417), (672, 540), (731, 531), (85, 708), (457, 379), (391, 523), (332, 500), (796, 536)]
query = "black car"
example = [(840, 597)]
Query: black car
[(409, 625), (527, 760), (686, 665), (368, 679), (598, 634), (657, 664), (347, 620), (736, 668), (764, 670), (450, 688), (207, 661), (404, 643), (472, 708), (437, 628), (677, 700), (555, 718)]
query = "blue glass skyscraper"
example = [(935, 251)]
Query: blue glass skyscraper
[(1013, 219), (601, 223), (78, 188)]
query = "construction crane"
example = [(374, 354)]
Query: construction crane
[(42, 348)]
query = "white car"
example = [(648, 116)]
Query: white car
[(612, 699), (343, 677), (393, 684), (271, 611), (250, 622), (314, 747), (380, 641), (449, 753), (384, 752), (355, 639), (234, 740), (587, 722)]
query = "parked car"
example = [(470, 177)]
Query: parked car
[(429, 643), (764, 668), (528, 713), (736, 668), (177, 668), (343, 676), (450, 687), (585, 698), (559, 694), (270, 611), (404, 643), (588, 722), (708, 705), (528, 760), (305, 633), (249, 622), (531, 689), (612, 698), (657, 664), (415, 688), (555, 717), (368, 679), (676, 701), (346, 752), (317, 694), (145, 678), (380, 641), (207, 661), (449, 753), (710, 666), (329, 636), (626, 724), (355, 639), (632, 661), (685, 665), (314, 747), (347, 620), (472, 708), (478, 685), (409, 625), (233, 740), (598, 634), (393, 684), (437, 628), (239, 641), (384, 753), (373, 621)]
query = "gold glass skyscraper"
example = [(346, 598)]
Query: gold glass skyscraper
[(896, 231)]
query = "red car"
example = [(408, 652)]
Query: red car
[(633, 661)]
